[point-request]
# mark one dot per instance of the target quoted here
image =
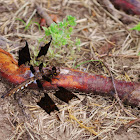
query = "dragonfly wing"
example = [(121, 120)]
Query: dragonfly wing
[(44, 50), (24, 55), (47, 104), (64, 94)]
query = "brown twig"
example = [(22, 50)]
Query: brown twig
[(44, 15), (126, 126), (111, 8), (73, 80)]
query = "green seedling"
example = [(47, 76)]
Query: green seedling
[(61, 38), (27, 26), (61, 34)]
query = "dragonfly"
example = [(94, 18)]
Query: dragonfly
[(47, 74)]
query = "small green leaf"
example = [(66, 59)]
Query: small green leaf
[(38, 25), (60, 25), (71, 20), (47, 32), (64, 42), (44, 28), (78, 42), (28, 25), (21, 21), (137, 27)]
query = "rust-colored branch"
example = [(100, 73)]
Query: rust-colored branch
[(130, 6), (73, 80), (125, 4)]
